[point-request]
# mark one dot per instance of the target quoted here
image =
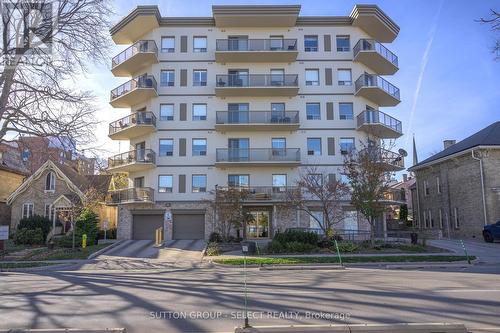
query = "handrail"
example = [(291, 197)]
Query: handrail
[(257, 154), (238, 45), (379, 117), (385, 156), (372, 45), (141, 46), (257, 80), (137, 118), (141, 81), (133, 156), (257, 117), (373, 80), (131, 194)]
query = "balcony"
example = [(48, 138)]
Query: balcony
[(261, 193), (135, 91), (135, 58), (377, 90), (379, 124), (132, 161), (132, 126), (375, 56), (257, 157), (391, 161), (256, 50), (130, 195), (394, 196), (262, 85), (257, 121)]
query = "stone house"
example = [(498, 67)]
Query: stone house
[(457, 190)]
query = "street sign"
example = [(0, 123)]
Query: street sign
[(168, 216), (4, 232), (106, 225)]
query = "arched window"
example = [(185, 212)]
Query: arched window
[(50, 182)]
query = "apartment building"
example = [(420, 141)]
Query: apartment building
[(249, 97)]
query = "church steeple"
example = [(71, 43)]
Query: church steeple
[(415, 157)]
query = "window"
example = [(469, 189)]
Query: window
[(346, 145), (455, 218), (199, 77), (438, 183), (346, 111), (279, 183), (315, 178), (50, 181), (313, 146), (27, 210), (344, 77), (166, 112), (313, 111), (199, 183), (199, 44), (312, 77), (166, 147), (426, 188), (343, 44), (167, 78), (165, 183), (49, 212), (238, 180), (25, 155), (426, 221), (311, 43), (316, 220), (431, 220), (199, 147), (168, 44), (199, 112), (440, 218)]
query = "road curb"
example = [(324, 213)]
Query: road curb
[(300, 267), (39, 268), (107, 248)]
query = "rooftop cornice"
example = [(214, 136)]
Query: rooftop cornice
[(323, 20), (256, 10), (187, 21), (138, 11), (376, 11)]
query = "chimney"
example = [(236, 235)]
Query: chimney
[(405, 177), (448, 143)]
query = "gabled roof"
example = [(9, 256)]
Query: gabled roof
[(488, 136)]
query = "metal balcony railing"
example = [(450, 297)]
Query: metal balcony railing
[(256, 44), (134, 194), (142, 81), (385, 156), (142, 46), (372, 80), (258, 155), (138, 118), (133, 156), (257, 117), (262, 192), (257, 80), (379, 117), (373, 45)]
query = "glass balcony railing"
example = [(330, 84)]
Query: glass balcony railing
[(138, 118), (257, 80), (133, 156), (142, 81), (261, 192), (257, 117), (256, 45), (372, 80), (127, 195), (379, 117), (258, 155), (142, 46), (373, 45)]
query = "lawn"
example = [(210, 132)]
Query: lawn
[(64, 253), (12, 265), (334, 260)]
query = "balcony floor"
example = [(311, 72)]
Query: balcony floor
[(133, 97), (135, 64), (132, 167), (255, 56), (256, 91), (377, 96), (376, 62), (132, 131)]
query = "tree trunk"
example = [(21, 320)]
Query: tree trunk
[(372, 232)]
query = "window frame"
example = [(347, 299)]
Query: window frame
[(171, 74), (167, 50), (344, 82), (167, 152), (344, 37), (311, 48), (200, 83), (456, 220), (166, 189), (201, 118), (314, 151), (51, 182), (167, 118), (198, 49), (239, 175), (315, 82), (200, 189), (341, 144), (201, 151), (313, 117), (438, 184), (28, 215), (340, 111)]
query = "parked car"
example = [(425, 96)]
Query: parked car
[(491, 232)]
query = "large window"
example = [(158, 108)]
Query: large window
[(168, 44), (166, 147), (426, 188), (27, 210), (238, 180), (343, 44), (311, 43), (316, 220), (166, 112), (165, 183), (199, 112), (438, 183), (167, 78), (346, 145), (199, 183), (199, 44), (312, 77), (455, 218), (313, 111), (50, 181), (346, 111), (345, 77), (199, 147), (49, 212), (313, 146), (279, 183), (199, 77)]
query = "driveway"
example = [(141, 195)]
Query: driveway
[(133, 249), (182, 252), (488, 253)]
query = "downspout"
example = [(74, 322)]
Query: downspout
[(418, 203), (482, 185)]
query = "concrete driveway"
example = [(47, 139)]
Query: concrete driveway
[(133, 249), (183, 252), (488, 253)]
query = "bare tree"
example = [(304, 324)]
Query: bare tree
[(494, 22), (369, 177), (46, 47), (315, 191)]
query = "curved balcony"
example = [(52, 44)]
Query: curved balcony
[(130, 195), (226, 157), (132, 161), (375, 56), (256, 50), (135, 58), (257, 120), (132, 126), (391, 161), (379, 124), (135, 91), (257, 85), (377, 90)]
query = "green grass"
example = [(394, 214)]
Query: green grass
[(11, 265), (65, 254), (334, 260)]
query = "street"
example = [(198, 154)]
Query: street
[(211, 299)]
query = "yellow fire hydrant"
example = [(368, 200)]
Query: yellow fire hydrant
[(84, 241)]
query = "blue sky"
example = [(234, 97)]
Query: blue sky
[(448, 78)]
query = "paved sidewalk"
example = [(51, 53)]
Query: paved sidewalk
[(488, 253)]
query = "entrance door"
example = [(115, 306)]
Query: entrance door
[(238, 149), (238, 113), (258, 226), (238, 78), (140, 149)]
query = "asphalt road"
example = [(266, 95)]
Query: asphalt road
[(211, 300)]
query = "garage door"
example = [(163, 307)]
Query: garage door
[(144, 226), (189, 226)]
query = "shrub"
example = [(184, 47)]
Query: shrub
[(87, 223), (298, 247), (275, 246), (215, 237), (36, 222), (65, 241), (110, 234), (346, 247), (297, 236), (213, 249), (25, 236)]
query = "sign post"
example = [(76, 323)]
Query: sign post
[(244, 249), (106, 227), (4, 235)]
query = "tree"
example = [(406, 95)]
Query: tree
[(403, 212), (494, 22), (369, 178), (46, 47), (315, 191)]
